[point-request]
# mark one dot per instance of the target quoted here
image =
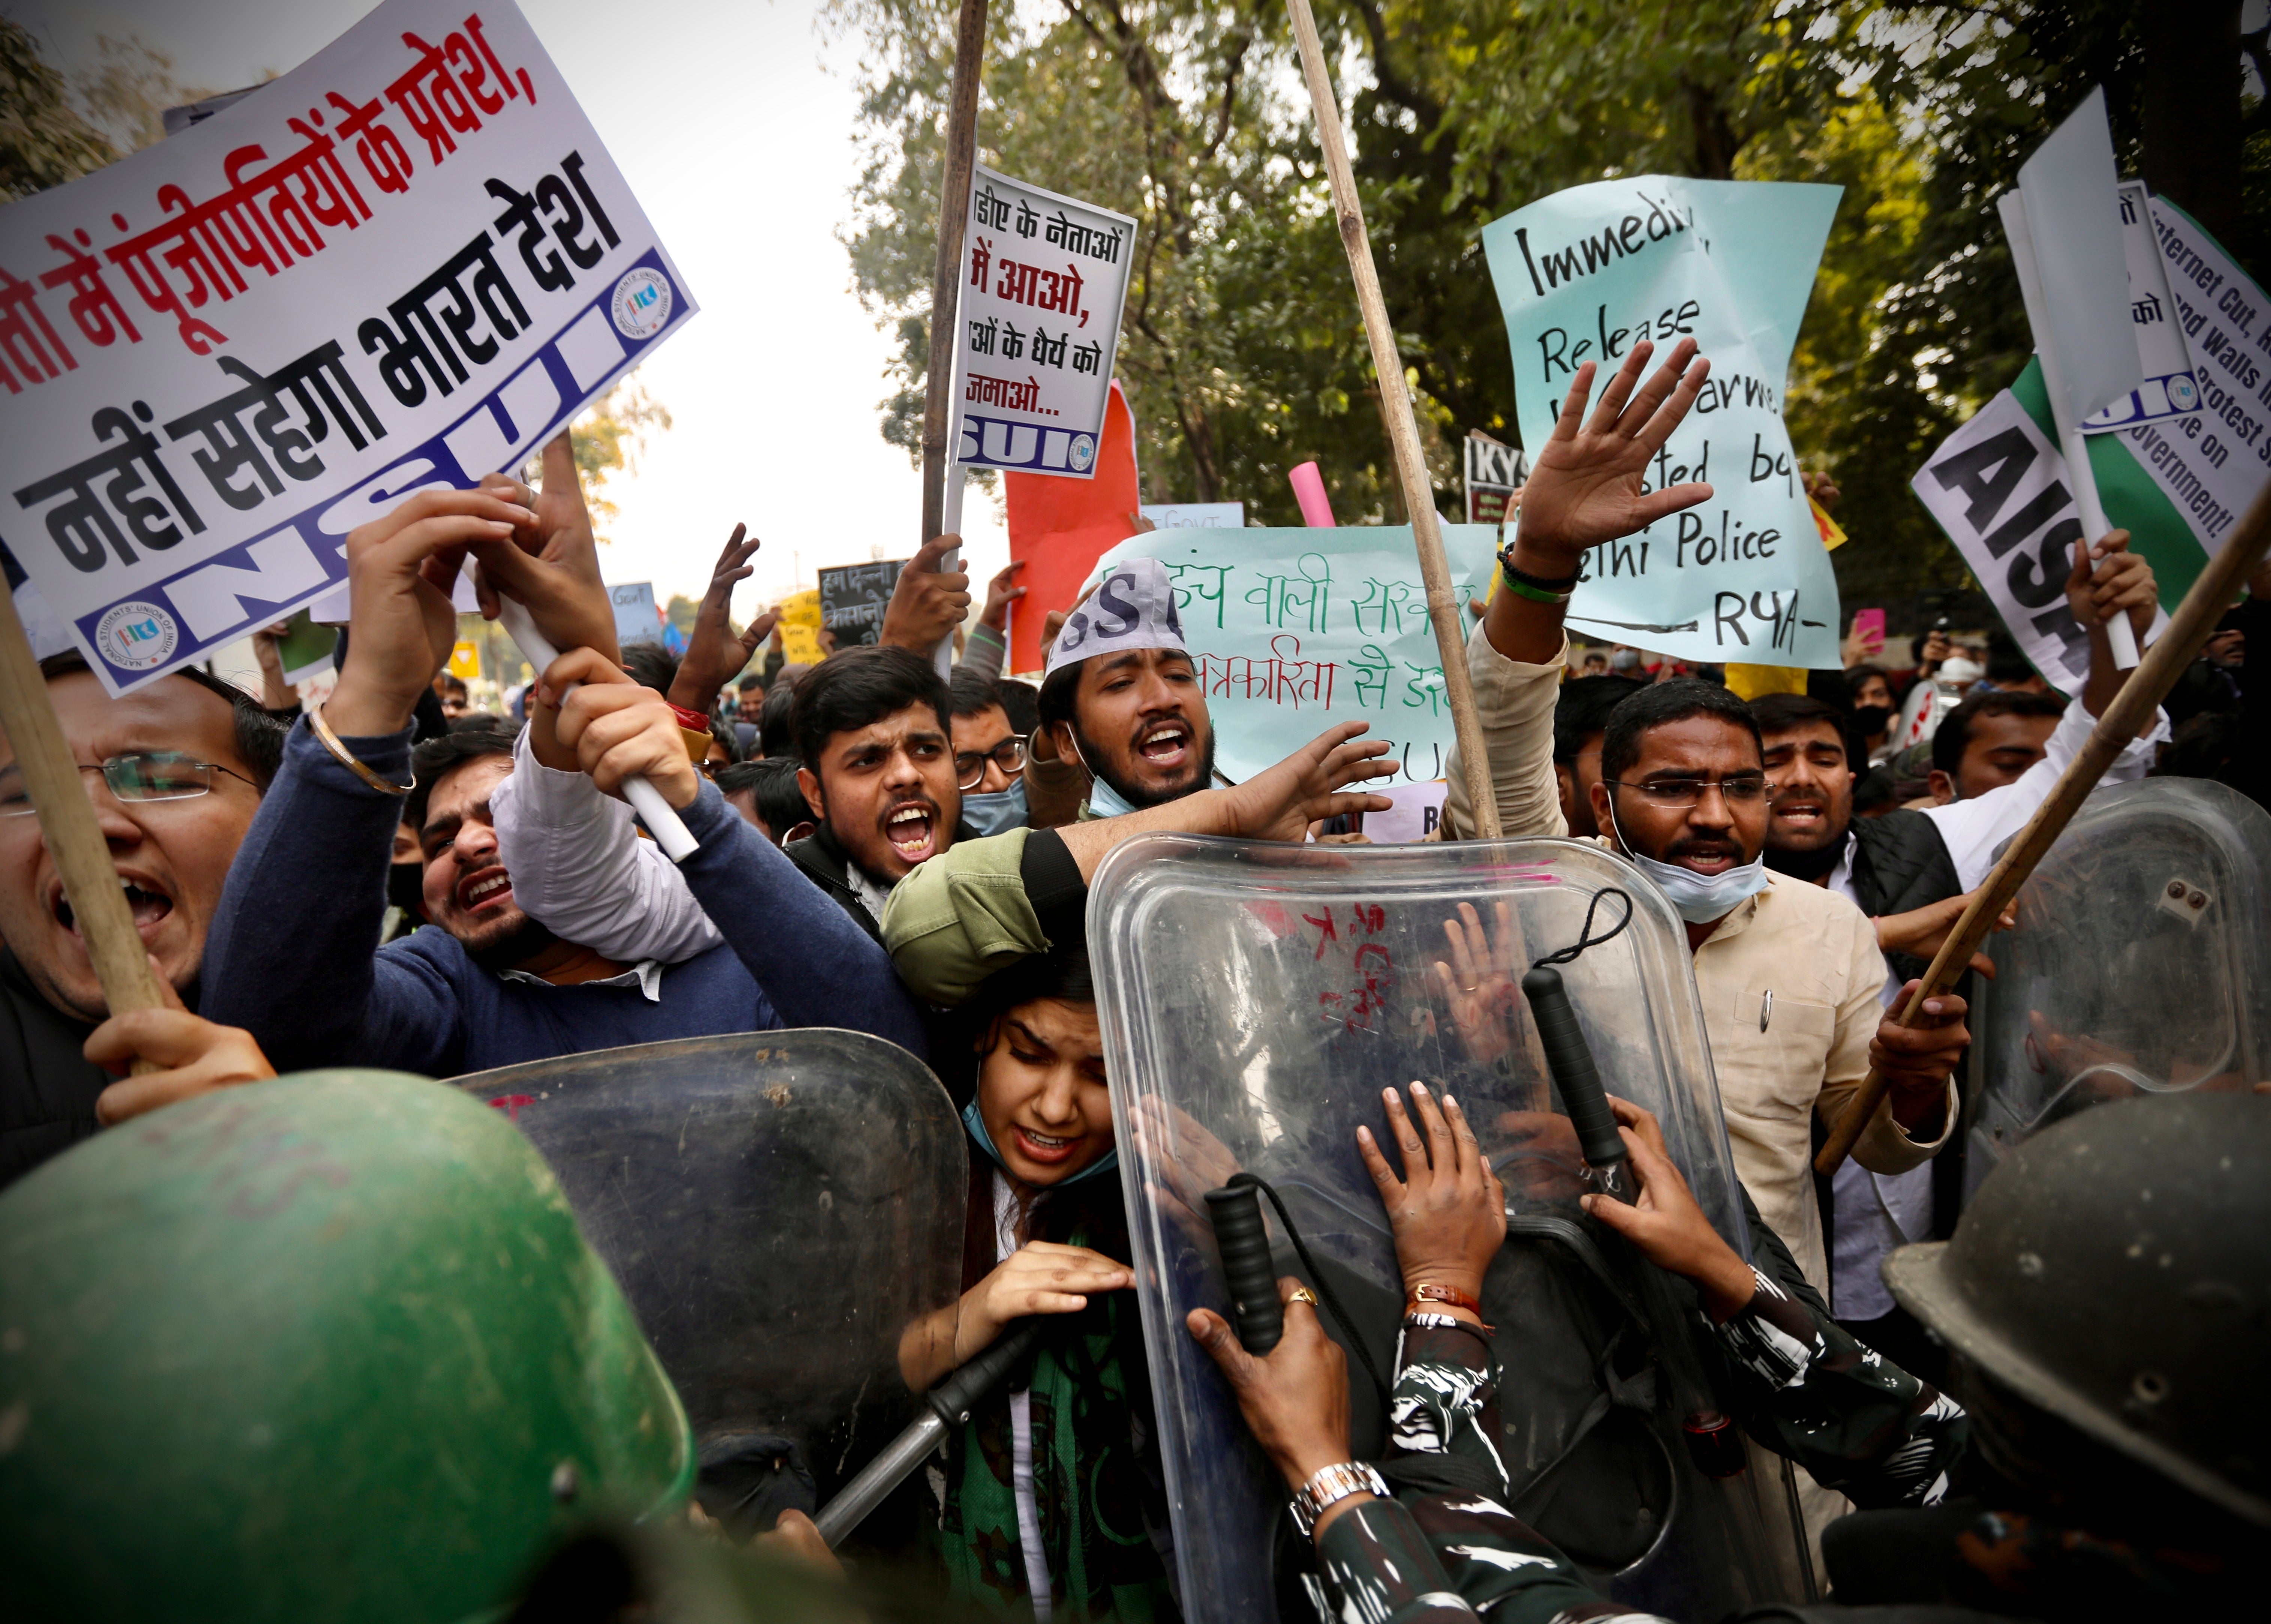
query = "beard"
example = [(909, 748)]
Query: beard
[(507, 944), (1134, 795)]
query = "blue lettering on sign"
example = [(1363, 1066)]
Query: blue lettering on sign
[(220, 598), (1004, 443)]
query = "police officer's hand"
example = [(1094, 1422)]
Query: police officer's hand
[(617, 728), (1476, 983), (1448, 1209), (1281, 802), (1666, 1225), (1040, 1277), (1295, 1398), (797, 1536), (1916, 1061), (927, 604), (193, 1056)]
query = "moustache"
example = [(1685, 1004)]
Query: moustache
[(1702, 845)]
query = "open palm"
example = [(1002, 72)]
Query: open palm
[(1587, 485)]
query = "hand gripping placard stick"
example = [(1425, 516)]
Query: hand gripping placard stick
[(1395, 407), (2132, 710), (122, 963), (662, 821), (945, 293)]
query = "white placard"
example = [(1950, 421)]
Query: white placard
[(401, 267), (2170, 388), (636, 619), (1195, 515), (1043, 281)]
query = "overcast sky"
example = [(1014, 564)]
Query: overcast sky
[(732, 119)]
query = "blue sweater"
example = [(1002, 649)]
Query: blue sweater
[(292, 956)]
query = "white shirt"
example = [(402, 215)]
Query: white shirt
[(646, 975), (1021, 1423)]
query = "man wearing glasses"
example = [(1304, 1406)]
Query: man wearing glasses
[(175, 772), (989, 755)]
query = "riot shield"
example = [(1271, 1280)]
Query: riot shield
[(2141, 964), (1254, 1002), (778, 1208)]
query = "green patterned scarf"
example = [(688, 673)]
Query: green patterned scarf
[(1088, 1486)]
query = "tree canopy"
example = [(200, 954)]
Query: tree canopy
[(1242, 352)]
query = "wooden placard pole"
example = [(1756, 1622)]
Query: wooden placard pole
[(953, 217), (1403, 433), (2129, 714), (122, 963)]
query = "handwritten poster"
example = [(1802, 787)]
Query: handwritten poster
[(403, 265), (1294, 630), (853, 598), (1044, 278), (1587, 274)]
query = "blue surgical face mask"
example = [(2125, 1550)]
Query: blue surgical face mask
[(1699, 898), (999, 812), (1106, 801), (976, 1123)]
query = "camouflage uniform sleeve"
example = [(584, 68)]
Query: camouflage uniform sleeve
[(1446, 1546), (1860, 1424)]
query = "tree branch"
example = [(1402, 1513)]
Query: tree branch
[(1391, 84)]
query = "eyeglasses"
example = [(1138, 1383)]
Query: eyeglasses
[(151, 775), (1009, 755), (1738, 787)]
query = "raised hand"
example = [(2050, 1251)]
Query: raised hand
[(1666, 1225), (2108, 579), (715, 653), (616, 728), (927, 604), (551, 565), (1281, 801), (1001, 592), (1476, 983), (402, 566), (193, 1056), (1448, 1209), (1585, 486)]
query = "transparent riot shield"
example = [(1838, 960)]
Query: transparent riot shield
[(1255, 1000), (2141, 964), (779, 1207)]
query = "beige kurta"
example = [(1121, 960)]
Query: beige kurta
[(1811, 949)]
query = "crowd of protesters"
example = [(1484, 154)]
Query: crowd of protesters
[(391, 879)]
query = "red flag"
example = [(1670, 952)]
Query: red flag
[(1060, 527)]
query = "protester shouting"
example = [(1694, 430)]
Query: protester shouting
[(492, 987), (176, 770)]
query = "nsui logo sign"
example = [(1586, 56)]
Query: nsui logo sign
[(135, 637), (641, 303)]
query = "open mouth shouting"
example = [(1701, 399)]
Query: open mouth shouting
[(485, 892), (145, 900), (1705, 856), (1801, 813), (1165, 746), (912, 827), (1044, 1149)]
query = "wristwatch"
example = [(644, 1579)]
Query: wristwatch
[(1331, 1485)]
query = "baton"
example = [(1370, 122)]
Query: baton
[(948, 1405), (1256, 1314), (1570, 1058), (662, 821)]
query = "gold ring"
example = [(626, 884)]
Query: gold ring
[(1302, 1293)]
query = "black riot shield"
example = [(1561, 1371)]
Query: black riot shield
[(1255, 1001), (778, 1208), (2141, 964)]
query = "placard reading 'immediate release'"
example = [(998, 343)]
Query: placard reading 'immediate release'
[(401, 267), (1295, 629), (1043, 281), (1586, 274)]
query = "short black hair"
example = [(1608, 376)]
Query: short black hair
[(259, 735), (1582, 710), (775, 736), (1663, 703), (1831, 687), (1874, 788), (452, 680), (857, 688), (2004, 663), (1955, 736), (974, 695), (754, 680), (1782, 713), (773, 790), (437, 758), (650, 665), (1022, 702), (1054, 703)]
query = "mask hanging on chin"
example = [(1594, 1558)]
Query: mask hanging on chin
[(997, 813), (1698, 898)]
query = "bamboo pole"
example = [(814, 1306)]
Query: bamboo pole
[(1403, 433), (2129, 714), (67, 823), (953, 217)]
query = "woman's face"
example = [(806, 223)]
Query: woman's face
[(1872, 689), (1041, 1093)]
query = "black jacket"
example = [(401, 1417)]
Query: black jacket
[(1900, 863), (820, 857), (48, 1088)]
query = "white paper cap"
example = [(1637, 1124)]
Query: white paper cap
[(1132, 607)]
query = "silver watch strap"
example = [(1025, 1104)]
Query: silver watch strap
[(1330, 1485)]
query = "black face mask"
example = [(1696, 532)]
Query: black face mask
[(406, 888), (1873, 719)]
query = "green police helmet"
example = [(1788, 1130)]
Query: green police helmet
[(326, 1348)]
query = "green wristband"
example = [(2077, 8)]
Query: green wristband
[(1526, 591)]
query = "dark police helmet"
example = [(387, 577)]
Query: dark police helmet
[(2115, 1274)]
